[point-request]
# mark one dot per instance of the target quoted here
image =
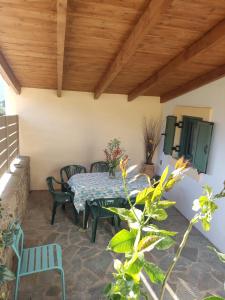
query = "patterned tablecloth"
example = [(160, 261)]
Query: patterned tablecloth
[(90, 186)]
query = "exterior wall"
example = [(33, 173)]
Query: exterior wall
[(211, 95), (75, 128), (14, 203)]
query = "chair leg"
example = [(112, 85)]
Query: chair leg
[(94, 229), (119, 222), (116, 222), (112, 221), (17, 287), (53, 212), (63, 285), (76, 216), (86, 216)]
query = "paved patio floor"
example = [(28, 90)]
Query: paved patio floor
[(88, 266)]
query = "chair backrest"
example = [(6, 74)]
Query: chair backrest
[(50, 183), (18, 240), (108, 202), (99, 166), (68, 171), (98, 205)]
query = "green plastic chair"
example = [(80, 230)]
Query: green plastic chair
[(99, 166), (97, 211), (60, 198), (68, 171), (36, 260)]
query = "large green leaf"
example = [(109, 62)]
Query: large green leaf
[(163, 176), (213, 298), (122, 242), (166, 203), (125, 214), (155, 274), (154, 229), (157, 193), (5, 274), (165, 244), (135, 268), (143, 195), (148, 243), (159, 214), (205, 224)]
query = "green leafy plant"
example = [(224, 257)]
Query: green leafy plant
[(5, 274), (6, 240), (142, 236)]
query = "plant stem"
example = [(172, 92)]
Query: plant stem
[(129, 201), (177, 256)]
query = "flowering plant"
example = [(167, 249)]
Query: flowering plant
[(113, 153), (142, 235)]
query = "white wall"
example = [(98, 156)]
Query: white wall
[(75, 129), (211, 95)]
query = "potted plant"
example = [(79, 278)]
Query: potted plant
[(152, 137), (113, 154)]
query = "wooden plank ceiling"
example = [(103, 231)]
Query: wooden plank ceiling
[(134, 47)]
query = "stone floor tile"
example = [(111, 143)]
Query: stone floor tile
[(88, 267)]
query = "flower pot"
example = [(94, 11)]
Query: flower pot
[(149, 170)]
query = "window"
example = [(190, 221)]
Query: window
[(195, 140), (2, 97)]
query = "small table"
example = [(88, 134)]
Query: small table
[(90, 186)]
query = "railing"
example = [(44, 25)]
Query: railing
[(9, 141)]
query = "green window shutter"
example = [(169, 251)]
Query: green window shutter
[(188, 136), (202, 145), (169, 134)]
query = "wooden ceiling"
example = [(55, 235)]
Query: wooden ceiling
[(134, 47)]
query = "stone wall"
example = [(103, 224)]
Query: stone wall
[(14, 202)]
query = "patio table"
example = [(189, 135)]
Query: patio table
[(90, 186)]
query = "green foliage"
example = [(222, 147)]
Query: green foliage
[(214, 298), (205, 207), (142, 236), (6, 239), (8, 234), (155, 274), (5, 274), (122, 242)]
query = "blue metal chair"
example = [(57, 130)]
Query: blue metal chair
[(36, 260)]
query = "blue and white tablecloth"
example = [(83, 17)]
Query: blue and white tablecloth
[(90, 186)]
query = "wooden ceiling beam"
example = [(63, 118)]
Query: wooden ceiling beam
[(61, 33), (208, 39), (148, 20), (8, 75), (211, 76)]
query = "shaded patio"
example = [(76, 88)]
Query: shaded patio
[(115, 64), (88, 266)]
